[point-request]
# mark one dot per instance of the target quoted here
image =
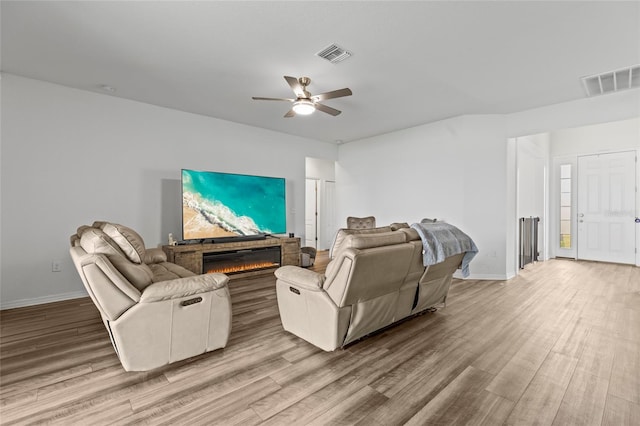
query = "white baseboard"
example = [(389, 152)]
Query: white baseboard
[(41, 300), (487, 277)]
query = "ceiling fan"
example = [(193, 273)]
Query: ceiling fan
[(305, 103)]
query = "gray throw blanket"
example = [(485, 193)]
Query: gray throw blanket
[(441, 240)]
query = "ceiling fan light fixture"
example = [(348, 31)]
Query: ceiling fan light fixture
[(304, 103), (303, 107)]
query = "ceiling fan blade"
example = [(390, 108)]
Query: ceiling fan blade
[(333, 94), (327, 109), (296, 86), (290, 114), (258, 98)]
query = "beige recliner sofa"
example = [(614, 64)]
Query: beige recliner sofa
[(376, 277), (156, 312)]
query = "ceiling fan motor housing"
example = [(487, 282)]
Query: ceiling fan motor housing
[(305, 81)]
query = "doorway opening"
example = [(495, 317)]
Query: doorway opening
[(595, 199), (532, 206), (320, 224), (590, 202)]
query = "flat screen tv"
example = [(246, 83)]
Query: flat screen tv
[(225, 205)]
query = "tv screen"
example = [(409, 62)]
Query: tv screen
[(220, 205)]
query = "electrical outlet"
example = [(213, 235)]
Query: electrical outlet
[(56, 266)]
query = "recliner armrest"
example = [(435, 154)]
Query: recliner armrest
[(183, 287), (154, 255), (301, 277)]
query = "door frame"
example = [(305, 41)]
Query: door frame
[(316, 212), (554, 203)]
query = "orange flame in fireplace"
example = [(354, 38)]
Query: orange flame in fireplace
[(242, 268)]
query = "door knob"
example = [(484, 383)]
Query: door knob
[(580, 214)]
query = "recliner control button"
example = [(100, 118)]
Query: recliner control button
[(191, 301)]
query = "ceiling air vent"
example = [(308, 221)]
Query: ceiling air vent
[(334, 54), (612, 81)]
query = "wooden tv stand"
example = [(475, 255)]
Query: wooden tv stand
[(190, 256)]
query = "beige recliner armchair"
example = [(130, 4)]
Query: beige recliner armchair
[(156, 312), (376, 277)]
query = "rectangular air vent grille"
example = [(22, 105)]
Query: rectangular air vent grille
[(334, 54), (612, 81)]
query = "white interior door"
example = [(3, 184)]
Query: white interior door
[(311, 213), (606, 207), (329, 228)]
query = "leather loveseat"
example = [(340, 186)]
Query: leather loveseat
[(375, 278), (156, 312)]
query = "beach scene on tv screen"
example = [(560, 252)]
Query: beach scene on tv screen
[(218, 205)]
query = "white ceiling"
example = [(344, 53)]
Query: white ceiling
[(413, 62)]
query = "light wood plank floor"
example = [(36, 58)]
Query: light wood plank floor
[(558, 345)]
